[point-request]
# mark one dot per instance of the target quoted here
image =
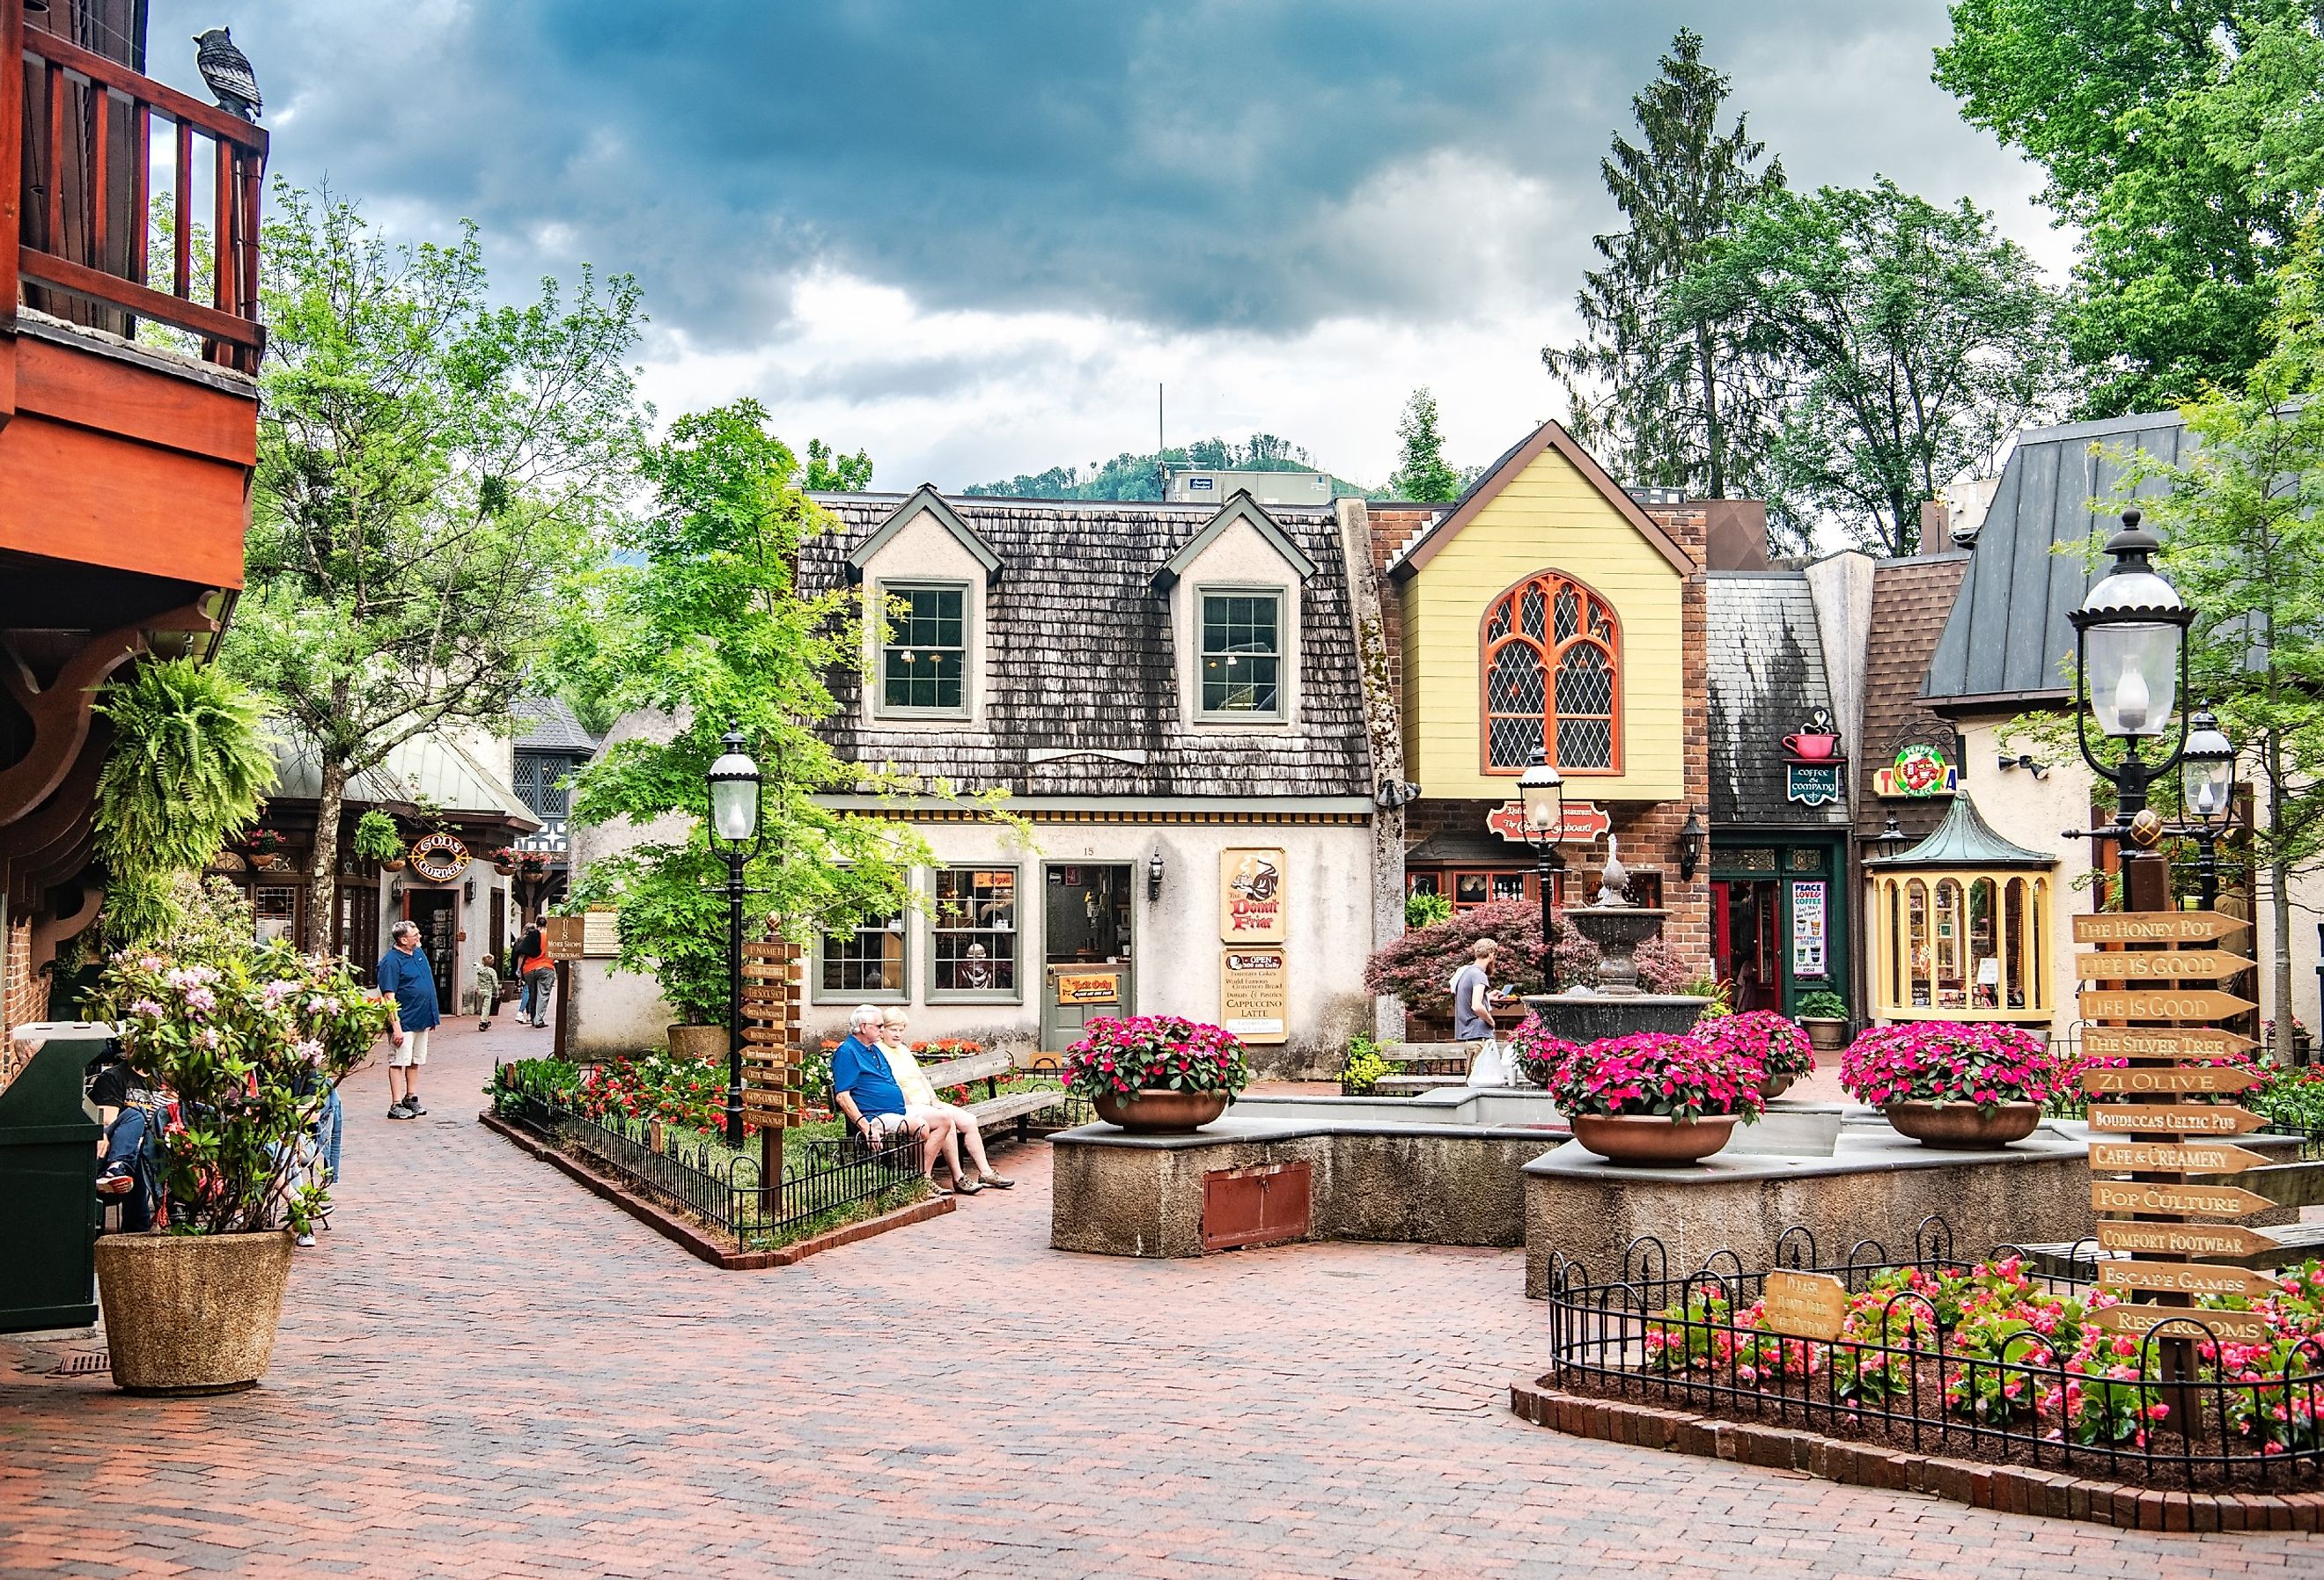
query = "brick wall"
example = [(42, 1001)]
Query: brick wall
[(23, 997)]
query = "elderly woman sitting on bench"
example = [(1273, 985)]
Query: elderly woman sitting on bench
[(864, 1087), (920, 1101)]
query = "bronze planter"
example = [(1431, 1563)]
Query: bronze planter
[(1647, 1141), (1160, 1112), (1774, 1086), (190, 1313), (1964, 1125)]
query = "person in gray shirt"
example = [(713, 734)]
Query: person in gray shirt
[(1473, 1016)]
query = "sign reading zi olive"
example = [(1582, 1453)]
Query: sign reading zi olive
[(2155, 926), (2193, 1119), (2183, 1239), (2163, 1157), (2162, 1042), (2198, 1078), (2186, 1004), (2123, 965), (438, 857)]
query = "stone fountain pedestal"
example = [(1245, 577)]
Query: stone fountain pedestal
[(1615, 1008)]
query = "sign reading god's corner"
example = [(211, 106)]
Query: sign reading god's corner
[(1250, 896), (438, 857)]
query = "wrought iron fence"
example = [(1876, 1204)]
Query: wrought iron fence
[(1681, 1339)]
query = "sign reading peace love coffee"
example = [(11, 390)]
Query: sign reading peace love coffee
[(438, 857)]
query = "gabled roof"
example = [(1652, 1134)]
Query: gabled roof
[(1764, 656), (1425, 544), (1240, 507), (550, 725), (1965, 839), (924, 497), (2008, 632)]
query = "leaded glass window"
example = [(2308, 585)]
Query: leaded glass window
[(1552, 678)]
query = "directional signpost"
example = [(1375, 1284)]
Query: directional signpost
[(2167, 1044), (2156, 926), (2181, 1079), (2169, 1003), (2192, 1158)]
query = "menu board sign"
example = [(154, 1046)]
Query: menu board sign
[(1254, 994)]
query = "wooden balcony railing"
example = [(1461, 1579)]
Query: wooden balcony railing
[(77, 226)]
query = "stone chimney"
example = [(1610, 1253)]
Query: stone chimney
[(1936, 527)]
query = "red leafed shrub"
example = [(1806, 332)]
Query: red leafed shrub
[(1418, 968)]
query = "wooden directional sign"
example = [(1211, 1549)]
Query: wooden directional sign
[(2201, 1078), (2186, 1004), (2191, 1119), (2183, 1239), (2162, 1042), (2183, 1277), (2192, 1158), (2210, 1201), (2123, 965), (2236, 1327), (2155, 926)]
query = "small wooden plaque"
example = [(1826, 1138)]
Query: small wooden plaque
[(2196, 1079), (2193, 1119), (2176, 965), (1810, 1306), (2190, 1157), (2186, 1004), (2184, 1278), (2210, 1201), (562, 935), (2239, 1325), (2183, 1239), (2155, 926)]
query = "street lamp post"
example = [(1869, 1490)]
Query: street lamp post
[(1543, 792), (2207, 792), (734, 784), (2130, 664)]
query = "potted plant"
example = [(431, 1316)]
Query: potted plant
[(1824, 1015), (376, 839), (1537, 1051), (249, 1039), (1156, 1074), (1653, 1099), (1947, 1083), (1779, 1049)]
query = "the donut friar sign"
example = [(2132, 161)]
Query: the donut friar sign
[(438, 857), (1250, 896)]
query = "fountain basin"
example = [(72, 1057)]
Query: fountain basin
[(1585, 1017)]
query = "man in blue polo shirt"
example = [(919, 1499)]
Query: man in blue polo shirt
[(405, 975), (865, 1089)]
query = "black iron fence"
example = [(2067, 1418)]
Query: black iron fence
[(697, 1176), (1919, 1371)]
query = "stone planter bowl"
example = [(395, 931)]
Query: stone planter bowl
[(192, 1314), (1650, 1140), (1774, 1086), (1163, 1113), (1964, 1125)]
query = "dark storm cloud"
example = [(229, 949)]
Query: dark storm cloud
[(1187, 164)]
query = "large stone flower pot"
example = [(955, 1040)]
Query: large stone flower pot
[(187, 1314), (1644, 1140), (1964, 1125), (700, 1044), (1163, 1111)]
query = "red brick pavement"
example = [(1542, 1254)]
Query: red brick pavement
[(485, 1372)]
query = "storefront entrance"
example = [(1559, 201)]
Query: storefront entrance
[(437, 911), (1779, 921), (1086, 942)]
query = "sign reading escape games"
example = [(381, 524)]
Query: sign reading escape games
[(1254, 994), (1250, 896), (438, 857), (1811, 1306)]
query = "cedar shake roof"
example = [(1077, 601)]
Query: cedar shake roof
[(1911, 601), (2008, 640), (1080, 693), (1765, 665)]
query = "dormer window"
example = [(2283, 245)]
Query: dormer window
[(924, 661), (1242, 653)]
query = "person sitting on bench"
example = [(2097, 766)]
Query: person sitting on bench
[(866, 1092), (132, 1108), (920, 1098)]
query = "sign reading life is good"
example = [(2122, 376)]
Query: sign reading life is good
[(438, 857), (1811, 1306)]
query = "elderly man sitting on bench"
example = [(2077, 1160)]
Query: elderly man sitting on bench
[(865, 1089)]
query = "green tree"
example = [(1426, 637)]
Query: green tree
[(430, 468), (1422, 472), (831, 471), (1681, 404), (703, 625), (2182, 137), (2242, 522), (1913, 342)]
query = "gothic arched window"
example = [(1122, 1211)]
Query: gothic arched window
[(1553, 657)]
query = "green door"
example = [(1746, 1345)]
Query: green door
[(1086, 924), (48, 1178)]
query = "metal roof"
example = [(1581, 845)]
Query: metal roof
[(1965, 839), (2008, 639), (432, 770)]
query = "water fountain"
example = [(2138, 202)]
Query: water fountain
[(1615, 1007)]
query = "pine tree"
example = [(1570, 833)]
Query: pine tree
[(1681, 406), (1422, 472)]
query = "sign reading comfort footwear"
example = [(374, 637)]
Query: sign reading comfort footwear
[(1255, 994), (1250, 896)]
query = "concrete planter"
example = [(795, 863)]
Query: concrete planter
[(1161, 1113), (1641, 1141), (1964, 1125), (190, 1314), (700, 1043)]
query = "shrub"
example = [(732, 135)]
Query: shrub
[(377, 837), (1660, 969), (688, 1093), (1155, 1052), (1422, 911), (548, 1080), (1655, 1073), (1777, 1047), (1360, 1072), (1418, 968), (1822, 1004), (1947, 1061)]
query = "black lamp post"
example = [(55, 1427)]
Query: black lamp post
[(2207, 790), (2130, 664), (734, 783), (1544, 794)]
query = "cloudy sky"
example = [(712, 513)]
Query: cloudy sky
[(972, 236)]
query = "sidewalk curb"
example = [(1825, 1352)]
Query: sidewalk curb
[(672, 1227)]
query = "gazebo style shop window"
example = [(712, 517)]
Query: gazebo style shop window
[(1960, 925), (1552, 678)]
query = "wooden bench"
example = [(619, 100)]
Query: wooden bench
[(995, 1108)]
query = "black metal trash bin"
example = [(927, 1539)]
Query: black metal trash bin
[(49, 1208)]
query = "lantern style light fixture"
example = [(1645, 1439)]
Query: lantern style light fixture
[(1543, 791), (1154, 874), (2130, 664), (2207, 790), (1690, 845), (735, 785)]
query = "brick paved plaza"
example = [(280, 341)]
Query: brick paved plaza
[(484, 1370)]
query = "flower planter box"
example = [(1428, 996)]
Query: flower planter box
[(1160, 1113), (1964, 1125), (192, 1314)]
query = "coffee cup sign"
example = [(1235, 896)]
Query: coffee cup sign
[(1810, 1306), (1250, 896), (438, 857)]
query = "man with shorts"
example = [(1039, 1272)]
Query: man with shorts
[(865, 1090), (1473, 1026), (406, 978)]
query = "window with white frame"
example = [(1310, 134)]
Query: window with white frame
[(864, 962), (972, 931), (1242, 671), (924, 663)]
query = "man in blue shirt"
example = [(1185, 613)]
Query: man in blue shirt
[(405, 976), (866, 1091)]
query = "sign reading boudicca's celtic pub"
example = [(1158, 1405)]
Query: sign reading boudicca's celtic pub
[(1918, 773), (438, 857)]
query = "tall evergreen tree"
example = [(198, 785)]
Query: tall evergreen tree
[(1671, 404), (1422, 472)]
